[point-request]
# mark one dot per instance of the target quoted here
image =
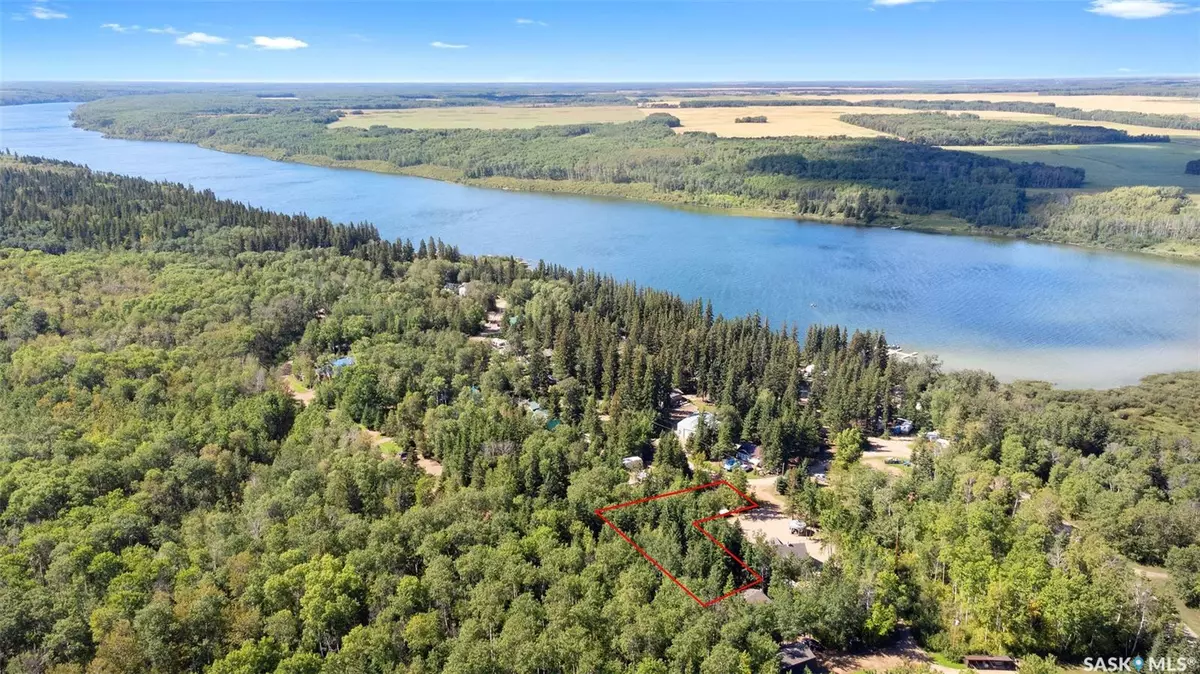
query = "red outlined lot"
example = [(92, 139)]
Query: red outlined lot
[(698, 524)]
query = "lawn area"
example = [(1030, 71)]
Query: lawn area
[(492, 117), (1157, 164), (1160, 580)]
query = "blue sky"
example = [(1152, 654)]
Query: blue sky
[(585, 41)]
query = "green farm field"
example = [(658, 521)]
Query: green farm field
[(1156, 164)]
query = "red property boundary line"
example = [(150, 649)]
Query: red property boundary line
[(696, 523)]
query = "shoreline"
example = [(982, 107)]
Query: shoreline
[(645, 194)]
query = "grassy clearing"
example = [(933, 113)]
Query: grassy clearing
[(1155, 164), (1160, 581), (490, 117)]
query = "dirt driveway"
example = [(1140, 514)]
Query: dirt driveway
[(378, 439), (903, 649), (771, 520)]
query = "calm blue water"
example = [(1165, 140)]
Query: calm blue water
[(1075, 317)]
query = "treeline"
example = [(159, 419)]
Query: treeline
[(1125, 217), (1116, 116), (939, 128), (753, 119), (839, 178), (68, 207)]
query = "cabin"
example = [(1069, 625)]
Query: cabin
[(990, 663), (632, 463), (790, 550), (536, 410), (796, 656), (688, 425), (756, 596)]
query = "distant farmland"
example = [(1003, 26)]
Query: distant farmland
[(1158, 164), (819, 121), (492, 117)]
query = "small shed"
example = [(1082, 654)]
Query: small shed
[(756, 596), (676, 398), (990, 663), (795, 656), (632, 463)]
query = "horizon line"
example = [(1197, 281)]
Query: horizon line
[(614, 82)]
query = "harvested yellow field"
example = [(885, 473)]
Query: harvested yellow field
[(490, 117), (781, 121), (822, 121), (1050, 119)]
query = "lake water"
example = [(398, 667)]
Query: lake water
[(1022, 310)]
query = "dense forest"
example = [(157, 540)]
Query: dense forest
[(837, 178), (940, 128), (1126, 217), (168, 506)]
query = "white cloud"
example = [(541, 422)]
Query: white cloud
[(45, 13), (893, 3), (165, 30), (199, 40), (446, 45), (1126, 70), (116, 27), (531, 22), (279, 43), (1137, 9)]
